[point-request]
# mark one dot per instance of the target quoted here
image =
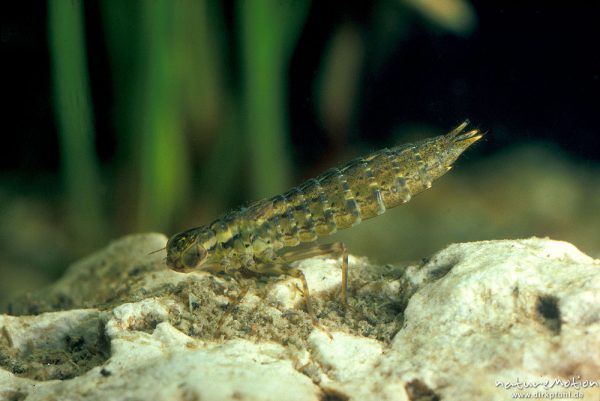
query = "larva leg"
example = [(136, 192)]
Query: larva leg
[(335, 248), (298, 274), (277, 268), (281, 267), (229, 309)]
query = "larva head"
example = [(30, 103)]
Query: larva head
[(188, 250)]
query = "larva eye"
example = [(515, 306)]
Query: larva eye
[(194, 256)]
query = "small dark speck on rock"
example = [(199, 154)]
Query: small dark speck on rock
[(440, 271), (332, 395), (12, 395), (419, 391), (549, 312)]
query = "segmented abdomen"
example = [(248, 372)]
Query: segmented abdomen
[(343, 197)]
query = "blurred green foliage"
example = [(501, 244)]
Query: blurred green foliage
[(269, 30), (192, 126), (184, 113), (75, 119)]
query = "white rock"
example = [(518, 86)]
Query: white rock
[(507, 310), (472, 323), (345, 358)]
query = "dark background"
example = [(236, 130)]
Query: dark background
[(531, 69)]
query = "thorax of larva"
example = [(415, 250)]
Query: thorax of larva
[(239, 236)]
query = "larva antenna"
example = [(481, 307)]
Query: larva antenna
[(158, 250)]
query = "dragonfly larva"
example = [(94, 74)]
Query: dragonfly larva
[(256, 237)]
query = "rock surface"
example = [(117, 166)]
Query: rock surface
[(475, 321)]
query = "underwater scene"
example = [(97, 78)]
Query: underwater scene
[(397, 199)]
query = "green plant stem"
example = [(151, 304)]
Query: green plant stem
[(74, 115), (163, 166), (269, 29)]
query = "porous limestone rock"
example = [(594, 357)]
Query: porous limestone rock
[(477, 320)]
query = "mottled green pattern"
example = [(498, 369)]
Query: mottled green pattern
[(339, 198)]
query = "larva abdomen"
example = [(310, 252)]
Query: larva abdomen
[(368, 186)]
